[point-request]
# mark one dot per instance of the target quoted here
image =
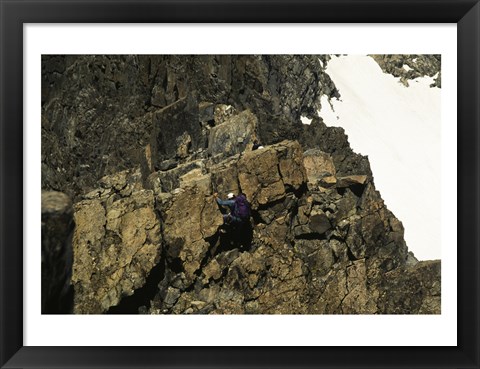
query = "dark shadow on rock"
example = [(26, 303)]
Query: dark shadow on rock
[(234, 236), (57, 253), (141, 297)]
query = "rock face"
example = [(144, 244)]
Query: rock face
[(233, 135), (145, 142), (421, 289), (116, 242), (409, 67), (100, 113)]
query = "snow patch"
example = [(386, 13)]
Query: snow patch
[(305, 120), (398, 128), (327, 112), (407, 68)]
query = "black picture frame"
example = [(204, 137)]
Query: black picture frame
[(465, 13)]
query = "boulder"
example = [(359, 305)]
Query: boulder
[(116, 243), (265, 175), (353, 180), (409, 67), (318, 221), (233, 135), (317, 255), (190, 217), (318, 165), (327, 182)]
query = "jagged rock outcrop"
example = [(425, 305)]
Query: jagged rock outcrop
[(145, 142), (411, 66), (421, 289), (309, 249), (100, 113), (116, 242), (233, 135)]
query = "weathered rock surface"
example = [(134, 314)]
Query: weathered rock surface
[(101, 112), (141, 143), (233, 135), (116, 242), (318, 165), (266, 174), (412, 290), (411, 66)]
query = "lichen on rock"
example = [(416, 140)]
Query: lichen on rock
[(116, 243)]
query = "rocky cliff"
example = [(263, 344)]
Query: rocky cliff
[(142, 143)]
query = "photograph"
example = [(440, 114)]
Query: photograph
[(236, 184), (241, 184)]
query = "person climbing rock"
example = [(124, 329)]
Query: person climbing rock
[(239, 208)]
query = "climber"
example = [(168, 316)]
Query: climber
[(239, 208)]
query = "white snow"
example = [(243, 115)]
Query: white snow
[(398, 128), (406, 67), (305, 120)]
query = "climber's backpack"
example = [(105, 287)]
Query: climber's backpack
[(242, 207)]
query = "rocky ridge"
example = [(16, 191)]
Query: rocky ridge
[(143, 172), (410, 66)]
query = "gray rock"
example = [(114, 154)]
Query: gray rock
[(206, 112), (418, 66), (319, 222), (232, 136), (171, 297), (176, 130), (167, 164)]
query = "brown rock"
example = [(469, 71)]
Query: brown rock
[(412, 290), (116, 243), (318, 165), (358, 300), (351, 180), (328, 181), (225, 176), (264, 174), (291, 164), (191, 216)]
